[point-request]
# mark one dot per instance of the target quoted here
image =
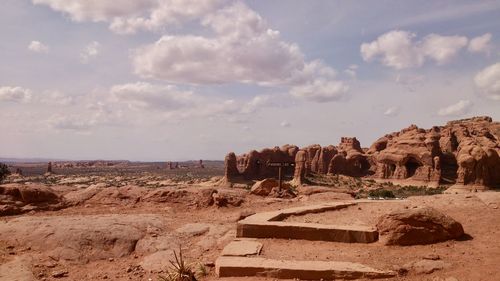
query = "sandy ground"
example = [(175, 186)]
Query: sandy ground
[(475, 258)]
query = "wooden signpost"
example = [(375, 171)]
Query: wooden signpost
[(280, 165)]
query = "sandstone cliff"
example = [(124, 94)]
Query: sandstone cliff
[(463, 152)]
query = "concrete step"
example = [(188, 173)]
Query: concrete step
[(308, 270)]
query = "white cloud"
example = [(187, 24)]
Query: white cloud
[(38, 47), (351, 71), (397, 49), (410, 81), (256, 103), (56, 98), (285, 124), (480, 44), (460, 108), (142, 95), (442, 49), (15, 94), (73, 123), (171, 101), (243, 50), (90, 51), (392, 111), (125, 16), (488, 81), (321, 90), (94, 114)]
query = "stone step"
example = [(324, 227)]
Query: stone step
[(270, 225), (308, 270), (308, 231)]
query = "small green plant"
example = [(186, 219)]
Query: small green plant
[(179, 270), (4, 171), (202, 270)]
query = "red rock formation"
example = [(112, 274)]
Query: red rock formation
[(300, 167), (465, 152), (253, 164), (230, 169)]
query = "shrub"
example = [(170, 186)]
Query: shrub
[(179, 270), (381, 193), (4, 171)]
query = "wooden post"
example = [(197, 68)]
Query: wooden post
[(279, 179), (280, 166)]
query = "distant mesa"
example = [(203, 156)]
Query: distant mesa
[(464, 153)]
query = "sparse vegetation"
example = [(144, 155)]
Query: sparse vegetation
[(400, 191), (4, 171), (383, 193), (179, 270)]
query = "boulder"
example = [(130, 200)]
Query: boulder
[(38, 194), (226, 198), (263, 187), (417, 227), (269, 187), (20, 198)]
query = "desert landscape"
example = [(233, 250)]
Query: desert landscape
[(203, 140), (341, 213)]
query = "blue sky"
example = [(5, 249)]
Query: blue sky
[(176, 80)]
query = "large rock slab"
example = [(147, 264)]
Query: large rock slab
[(80, 238), (417, 227), (304, 270)]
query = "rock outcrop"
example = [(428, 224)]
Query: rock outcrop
[(463, 152), (252, 165), (270, 187), (19, 198), (418, 227), (300, 167)]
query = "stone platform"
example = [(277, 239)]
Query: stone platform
[(271, 225)]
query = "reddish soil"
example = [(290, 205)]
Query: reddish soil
[(474, 258)]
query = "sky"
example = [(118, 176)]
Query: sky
[(160, 80)]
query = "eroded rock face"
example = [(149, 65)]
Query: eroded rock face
[(253, 164), (418, 227), (230, 168), (19, 198), (464, 152), (300, 167)]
